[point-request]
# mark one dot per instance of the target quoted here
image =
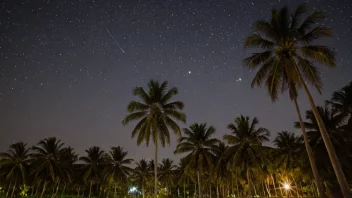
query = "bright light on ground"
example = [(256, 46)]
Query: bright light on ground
[(287, 186)]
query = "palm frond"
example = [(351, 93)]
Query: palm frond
[(321, 54), (257, 59)]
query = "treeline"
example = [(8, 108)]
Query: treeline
[(212, 168)]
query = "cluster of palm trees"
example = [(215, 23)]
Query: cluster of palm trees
[(240, 165)]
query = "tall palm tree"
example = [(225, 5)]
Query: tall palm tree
[(141, 174), (318, 182), (200, 146), (246, 149), (167, 173), (16, 161), (288, 52), (116, 166), (156, 115), (93, 166), (46, 160), (334, 124)]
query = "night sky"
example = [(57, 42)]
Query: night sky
[(67, 67)]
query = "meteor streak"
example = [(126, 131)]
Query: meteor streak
[(115, 40)]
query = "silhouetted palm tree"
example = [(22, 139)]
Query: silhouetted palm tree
[(47, 161), (155, 114), (342, 104), (15, 163), (167, 173), (93, 166), (141, 174), (289, 150), (116, 167), (199, 144), (246, 149), (286, 58), (335, 126)]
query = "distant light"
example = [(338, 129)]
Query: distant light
[(189, 72), (287, 186)]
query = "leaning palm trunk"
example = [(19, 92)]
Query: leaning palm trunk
[(8, 189), (317, 178), (328, 144), (44, 187), (143, 188), (13, 190), (156, 169), (199, 186)]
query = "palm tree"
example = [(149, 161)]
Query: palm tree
[(183, 175), (47, 161), (286, 58), (246, 141), (116, 166), (334, 124), (167, 173), (141, 174), (67, 160), (293, 96), (94, 164), (289, 150), (342, 103), (199, 145), (220, 173), (16, 161), (155, 114)]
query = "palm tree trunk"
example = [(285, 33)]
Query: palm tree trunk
[(249, 184), (9, 188), (63, 190), (143, 189), (100, 190), (90, 189), (79, 188), (217, 189), (184, 190), (37, 190), (272, 177), (311, 157), (328, 144), (156, 168), (199, 185), (13, 190), (267, 188), (210, 191), (44, 187), (114, 190), (57, 189)]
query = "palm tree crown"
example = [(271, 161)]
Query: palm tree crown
[(116, 165), (16, 161), (155, 113), (287, 50)]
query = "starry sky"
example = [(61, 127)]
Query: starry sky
[(67, 67)]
